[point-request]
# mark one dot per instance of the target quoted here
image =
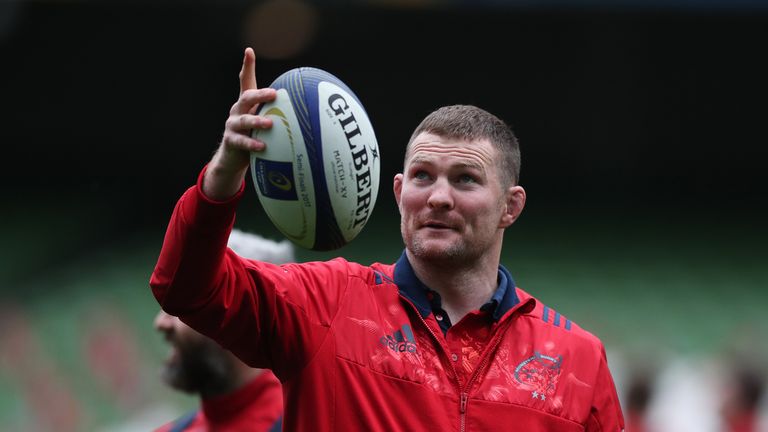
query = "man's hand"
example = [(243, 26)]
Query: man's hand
[(226, 171)]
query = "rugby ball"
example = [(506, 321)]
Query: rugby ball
[(318, 177)]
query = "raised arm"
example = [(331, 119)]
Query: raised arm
[(192, 262), (229, 165), (269, 316)]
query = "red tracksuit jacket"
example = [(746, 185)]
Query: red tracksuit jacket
[(358, 347), (255, 407)]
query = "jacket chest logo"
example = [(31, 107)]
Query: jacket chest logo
[(539, 374), (401, 340)]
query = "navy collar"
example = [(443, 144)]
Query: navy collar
[(502, 300)]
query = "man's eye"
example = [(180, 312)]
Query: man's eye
[(420, 175), (466, 178)]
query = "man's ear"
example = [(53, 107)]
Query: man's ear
[(514, 203), (397, 187)]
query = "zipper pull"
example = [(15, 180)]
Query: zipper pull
[(464, 398)]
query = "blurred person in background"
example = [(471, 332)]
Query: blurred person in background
[(638, 397), (234, 396), (745, 389)]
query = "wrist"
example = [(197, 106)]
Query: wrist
[(223, 181)]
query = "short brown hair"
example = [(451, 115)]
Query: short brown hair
[(467, 122)]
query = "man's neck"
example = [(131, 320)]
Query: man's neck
[(461, 288), (238, 378)]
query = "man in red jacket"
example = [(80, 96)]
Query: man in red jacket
[(440, 340), (234, 396)]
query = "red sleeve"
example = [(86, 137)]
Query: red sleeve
[(270, 316), (193, 250), (606, 414)]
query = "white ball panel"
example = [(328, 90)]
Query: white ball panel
[(283, 169), (350, 158)]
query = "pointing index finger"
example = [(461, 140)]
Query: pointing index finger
[(248, 71)]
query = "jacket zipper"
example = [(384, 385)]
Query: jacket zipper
[(463, 391), (463, 396), (463, 410), (478, 370)]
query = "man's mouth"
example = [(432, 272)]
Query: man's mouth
[(436, 225), (173, 350)]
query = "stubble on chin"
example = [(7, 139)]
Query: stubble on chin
[(446, 255), (174, 375), (198, 370)]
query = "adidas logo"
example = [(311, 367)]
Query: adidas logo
[(401, 340)]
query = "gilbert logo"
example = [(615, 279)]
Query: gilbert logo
[(400, 340), (358, 149)]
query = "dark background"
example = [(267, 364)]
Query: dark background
[(642, 128), (615, 108)]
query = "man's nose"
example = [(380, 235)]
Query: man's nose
[(440, 195), (163, 321)]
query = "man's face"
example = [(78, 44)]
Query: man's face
[(195, 362), (453, 208)]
